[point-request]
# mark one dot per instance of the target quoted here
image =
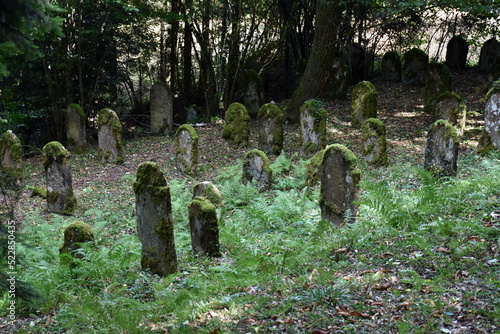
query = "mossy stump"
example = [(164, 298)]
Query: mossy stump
[(457, 50), (414, 69), (339, 192), (109, 136), (204, 227), (76, 129), (374, 142), (441, 152), (364, 103), (450, 107), (58, 177), (161, 109), (76, 235), (491, 131), (312, 128), (391, 66), (338, 80), (256, 168), (270, 119), (236, 130), (186, 155), (11, 154), (155, 227), (438, 82)]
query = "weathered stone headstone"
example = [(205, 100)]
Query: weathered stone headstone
[(357, 62), (312, 128), (11, 153), (186, 155), (270, 129), (204, 227), (109, 136), (364, 103), (57, 167), (340, 178), (450, 107), (155, 227), (313, 171), (456, 52), (441, 152), (76, 235), (374, 142), (490, 138), (414, 70), (76, 125), (236, 130), (438, 82), (490, 55), (391, 66), (162, 109), (338, 80), (209, 191), (256, 167), (193, 113), (253, 92)]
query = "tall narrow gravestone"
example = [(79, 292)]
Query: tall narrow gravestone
[(186, 155), (391, 66), (490, 55), (312, 128), (60, 197), (374, 142), (256, 168), (364, 103), (456, 52), (450, 107), (338, 81), (270, 129), (438, 82), (11, 153), (340, 178), (162, 109), (204, 227), (154, 220), (490, 138), (414, 70), (442, 149), (236, 130), (76, 129), (109, 136)]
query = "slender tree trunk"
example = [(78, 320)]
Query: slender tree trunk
[(234, 53)]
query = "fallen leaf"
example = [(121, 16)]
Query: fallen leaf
[(383, 286), (444, 250)]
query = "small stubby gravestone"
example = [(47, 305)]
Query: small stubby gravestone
[(162, 109), (76, 129), (313, 170), (338, 80), (155, 227), (209, 191), (60, 198), (109, 136), (438, 82), (452, 108), (490, 139), (270, 119), (364, 103), (256, 168), (414, 70), (339, 191), (253, 92), (236, 129), (441, 152), (374, 142), (456, 52), (204, 227), (391, 66), (312, 128), (186, 155), (11, 154), (76, 235), (489, 56)]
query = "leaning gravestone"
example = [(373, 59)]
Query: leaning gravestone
[(490, 55), (162, 109), (270, 129), (60, 197), (204, 227), (312, 127), (109, 136), (490, 138), (256, 167), (391, 66), (450, 107), (236, 130), (339, 192), (253, 92), (438, 82), (338, 80), (414, 70), (456, 52), (76, 235), (374, 142), (76, 132), (11, 153), (186, 155), (442, 149), (364, 103), (155, 227)]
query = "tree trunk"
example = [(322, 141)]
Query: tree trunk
[(234, 53)]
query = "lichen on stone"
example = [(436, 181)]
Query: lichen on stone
[(364, 103), (236, 128)]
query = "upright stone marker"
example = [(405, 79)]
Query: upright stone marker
[(414, 69), (11, 153), (391, 66), (451, 108), (253, 92), (76, 235), (490, 139), (186, 155), (109, 136), (154, 220), (490, 55), (270, 129), (76, 129), (364, 103), (338, 80), (312, 128), (340, 178), (438, 82), (236, 130), (374, 142), (60, 197), (456, 52), (209, 191), (256, 168), (204, 227), (162, 109), (313, 171), (442, 149)]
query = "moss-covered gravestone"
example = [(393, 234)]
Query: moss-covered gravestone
[(209, 191), (414, 70), (313, 170), (339, 192), (186, 155), (490, 55), (256, 167), (490, 138), (364, 103), (374, 142), (76, 129), (76, 235), (338, 80), (155, 227), (450, 107), (162, 109), (204, 227), (456, 52), (438, 82), (312, 128), (60, 198), (270, 129), (441, 152), (109, 136), (11, 153), (253, 92), (391, 66), (236, 130)]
